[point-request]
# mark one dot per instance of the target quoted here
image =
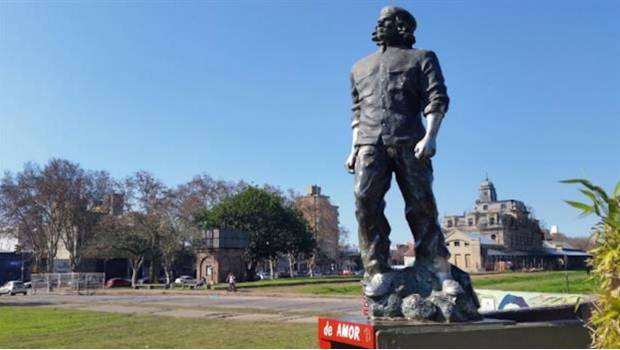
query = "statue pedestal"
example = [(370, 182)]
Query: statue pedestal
[(557, 327)]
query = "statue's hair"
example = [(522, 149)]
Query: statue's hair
[(405, 22)]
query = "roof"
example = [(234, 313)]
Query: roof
[(510, 252), (564, 251), (545, 251), (410, 251), (225, 238)]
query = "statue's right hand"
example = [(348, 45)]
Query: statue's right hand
[(350, 164)]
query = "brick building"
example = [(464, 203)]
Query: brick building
[(322, 216), (220, 253)]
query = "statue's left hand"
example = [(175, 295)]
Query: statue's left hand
[(350, 163), (425, 148)]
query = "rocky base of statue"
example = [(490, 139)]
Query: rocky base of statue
[(415, 293)]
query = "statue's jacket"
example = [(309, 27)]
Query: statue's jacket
[(390, 90)]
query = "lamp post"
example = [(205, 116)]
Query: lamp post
[(566, 272), (18, 249), (22, 267)]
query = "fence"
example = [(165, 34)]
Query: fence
[(71, 282)]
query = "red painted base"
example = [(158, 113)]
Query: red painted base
[(332, 332)]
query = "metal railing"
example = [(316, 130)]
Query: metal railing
[(71, 282)]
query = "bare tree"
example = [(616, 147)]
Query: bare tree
[(41, 203), (343, 236), (18, 213), (89, 195), (203, 192), (146, 195), (128, 236), (175, 230), (143, 192)]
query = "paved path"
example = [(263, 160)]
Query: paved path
[(215, 305)]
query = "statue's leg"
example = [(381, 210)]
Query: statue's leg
[(372, 181), (415, 177)]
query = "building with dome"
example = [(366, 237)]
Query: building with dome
[(501, 235), (507, 222)]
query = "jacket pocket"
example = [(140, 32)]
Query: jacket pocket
[(365, 85), (398, 79)]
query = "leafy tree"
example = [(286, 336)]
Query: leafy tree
[(299, 241), (265, 215), (605, 320), (177, 209), (193, 197)]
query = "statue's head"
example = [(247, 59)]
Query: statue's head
[(395, 27)]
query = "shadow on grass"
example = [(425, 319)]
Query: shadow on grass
[(23, 304)]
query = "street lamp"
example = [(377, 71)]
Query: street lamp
[(18, 249)]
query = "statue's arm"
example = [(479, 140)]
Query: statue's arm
[(355, 120), (433, 88)]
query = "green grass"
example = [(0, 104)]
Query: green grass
[(546, 282), (32, 327)]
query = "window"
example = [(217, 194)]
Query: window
[(485, 207), (491, 221), (503, 206), (458, 260), (457, 243), (493, 237), (465, 244), (470, 222), (449, 223), (467, 260)]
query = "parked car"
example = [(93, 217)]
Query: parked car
[(185, 280), (262, 275), (13, 287), (144, 280), (117, 282), (162, 279)]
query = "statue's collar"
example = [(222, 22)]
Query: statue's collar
[(385, 48)]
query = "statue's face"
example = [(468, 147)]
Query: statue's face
[(387, 29)]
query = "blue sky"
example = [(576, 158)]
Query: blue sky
[(259, 91)]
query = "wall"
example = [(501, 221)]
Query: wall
[(221, 261)]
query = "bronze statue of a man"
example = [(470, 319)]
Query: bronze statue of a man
[(391, 89)]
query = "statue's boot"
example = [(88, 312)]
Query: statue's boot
[(379, 284)]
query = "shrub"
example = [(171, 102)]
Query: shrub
[(605, 321)]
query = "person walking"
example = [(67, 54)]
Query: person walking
[(232, 280)]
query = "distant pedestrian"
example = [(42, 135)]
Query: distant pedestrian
[(232, 280)]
